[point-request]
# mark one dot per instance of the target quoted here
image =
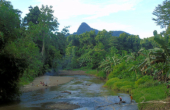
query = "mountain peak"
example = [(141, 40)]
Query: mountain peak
[(83, 28), (84, 25)]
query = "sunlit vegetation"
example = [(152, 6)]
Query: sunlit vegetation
[(129, 64), (32, 46)]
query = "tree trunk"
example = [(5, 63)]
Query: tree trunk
[(43, 48)]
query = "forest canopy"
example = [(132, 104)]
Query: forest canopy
[(32, 46), (29, 47)]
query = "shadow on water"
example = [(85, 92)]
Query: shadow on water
[(86, 93)]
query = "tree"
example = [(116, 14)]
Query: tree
[(108, 63), (103, 37), (12, 64), (162, 54), (162, 12), (32, 16), (44, 30), (87, 40), (48, 23), (65, 30)]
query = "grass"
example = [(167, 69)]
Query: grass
[(25, 80), (141, 90), (96, 73), (155, 106), (101, 74), (150, 93), (119, 84), (92, 72)]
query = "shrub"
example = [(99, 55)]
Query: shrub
[(118, 70), (142, 80), (149, 83), (110, 76), (126, 88), (93, 72), (101, 74), (150, 93), (117, 85), (111, 81)]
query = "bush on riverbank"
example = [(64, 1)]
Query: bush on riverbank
[(144, 94), (99, 74), (141, 90), (119, 84), (24, 80)]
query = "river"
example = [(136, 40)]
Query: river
[(84, 92)]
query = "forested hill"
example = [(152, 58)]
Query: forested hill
[(84, 27)]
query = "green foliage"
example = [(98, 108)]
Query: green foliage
[(119, 70), (11, 72), (149, 83), (107, 64), (92, 48), (9, 23), (126, 88), (93, 72), (119, 84), (161, 55), (129, 43), (147, 89), (12, 63), (142, 80), (148, 43), (149, 93), (27, 52), (122, 83), (38, 47), (162, 13), (111, 81), (51, 46), (101, 74), (32, 16), (96, 58)]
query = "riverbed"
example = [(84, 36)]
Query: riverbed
[(81, 93)]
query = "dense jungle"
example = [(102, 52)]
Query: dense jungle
[(32, 46)]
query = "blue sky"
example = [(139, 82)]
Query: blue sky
[(132, 16)]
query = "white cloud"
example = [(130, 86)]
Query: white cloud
[(145, 34), (65, 9), (113, 8), (73, 28), (109, 26), (142, 32), (148, 34)]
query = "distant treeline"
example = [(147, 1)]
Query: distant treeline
[(89, 49)]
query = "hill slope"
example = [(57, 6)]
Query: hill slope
[(84, 27)]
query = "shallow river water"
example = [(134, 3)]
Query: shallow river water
[(86, 92)]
